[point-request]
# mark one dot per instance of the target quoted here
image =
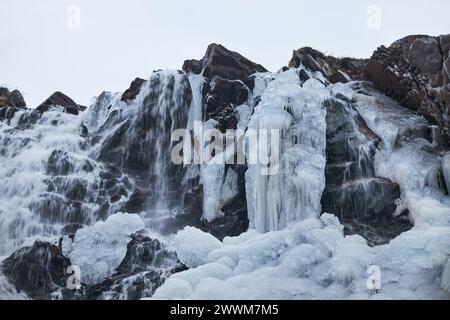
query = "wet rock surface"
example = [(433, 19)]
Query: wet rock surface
[(37, 270), (364, 203)]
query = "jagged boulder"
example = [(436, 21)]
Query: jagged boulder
[(334, 69), (38, 270), (59, 100), (227, 64), (12, 99), (133, 90), (412, 71)]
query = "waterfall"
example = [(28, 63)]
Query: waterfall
[(138, 140), (47, 177), (55, 170)]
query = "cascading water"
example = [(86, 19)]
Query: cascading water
[(48, 179), (138, 141), (364, 202)]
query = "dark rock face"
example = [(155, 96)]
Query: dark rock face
[(221, 98), (144, 253), (59, 99), (193, 66), (412, 71), (233, 223), (444, 41), (37, 270), (12, 99), (219, 61), (334, 69), (343, 125), (364, 203), (133, 90)]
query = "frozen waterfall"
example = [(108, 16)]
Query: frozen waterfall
[(298, 112)]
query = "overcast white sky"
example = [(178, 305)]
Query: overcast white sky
[(120, 40)]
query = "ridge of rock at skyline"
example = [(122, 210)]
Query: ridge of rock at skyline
[(59, 99), (13, 99), (334, 69), (227, 64)]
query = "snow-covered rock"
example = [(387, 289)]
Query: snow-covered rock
[(98, 250), (193, 246)]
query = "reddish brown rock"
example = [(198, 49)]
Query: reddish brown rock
[(334, 69), (12, 99), (414, 71), (60, 100), (227, 64)]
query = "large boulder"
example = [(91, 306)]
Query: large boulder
[(13, 99), (38, 270), (413, 70), (227, 64), (59, 100)]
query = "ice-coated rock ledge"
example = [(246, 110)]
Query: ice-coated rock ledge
[(98, 250)]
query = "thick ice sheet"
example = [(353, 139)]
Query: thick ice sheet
[(98, 250)]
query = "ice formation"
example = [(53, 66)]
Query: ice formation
[(298, 113), (193, 246), (98, 250)]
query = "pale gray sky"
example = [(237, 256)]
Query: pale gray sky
[(120, 40)]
